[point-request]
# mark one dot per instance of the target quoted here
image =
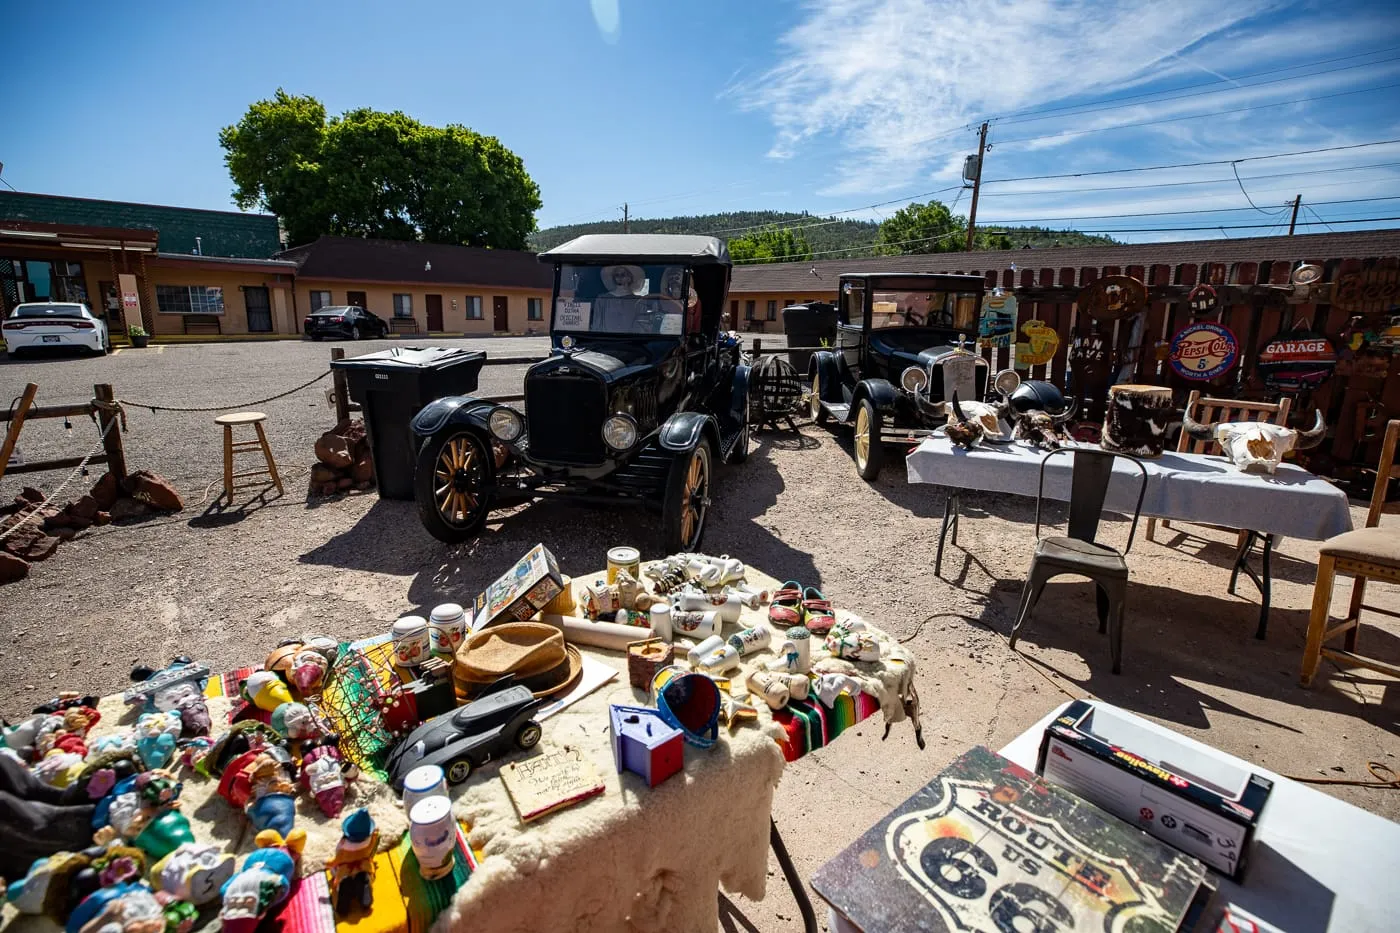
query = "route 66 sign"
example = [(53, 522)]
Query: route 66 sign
[(1203, 351)]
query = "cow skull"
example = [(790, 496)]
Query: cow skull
[(1255, 446), (986, 415)]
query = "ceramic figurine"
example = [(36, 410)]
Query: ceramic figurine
[(179, 687), (751, 639), (107, 765), (720, 660), (771, 686), (831, 686), (660, 615), (294, 721), (308, 671), (852, 645), (143, 810), (352, 866), (194, 872), (45, 889), (705, 647), (279, 659), (423, 782), (264, 881), (121, 908), (271, 804), (266, 690), (321, 774), (694, 624), (801, 639), (433, 834), (156, 735), (22, 736)]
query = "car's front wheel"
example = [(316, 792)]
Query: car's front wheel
[(819, 415), (869, 448), (451, 484), (687, 500), (459, 771), (528, 735), (355, 333)]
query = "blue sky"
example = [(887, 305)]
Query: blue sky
[(688, 107)]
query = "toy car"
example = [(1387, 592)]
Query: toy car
[(900, 353), (467, 738), (642, 394)]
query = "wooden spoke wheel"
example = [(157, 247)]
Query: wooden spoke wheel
[(687, 499), (819, 415), (452, 485), (869, 448)]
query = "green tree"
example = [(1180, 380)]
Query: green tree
[(922, 228), (773, 245), (375, 174)]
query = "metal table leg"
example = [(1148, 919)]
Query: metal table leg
[(1263, 579), (950, 519), (794, 880)]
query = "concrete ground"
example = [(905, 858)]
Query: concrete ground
[(225, 587)]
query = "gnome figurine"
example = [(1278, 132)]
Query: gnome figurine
[(352, 866), (194, 872), (264, 881), (322, 775)]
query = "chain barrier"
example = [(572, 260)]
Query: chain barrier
[(208, 408), (38, 511)]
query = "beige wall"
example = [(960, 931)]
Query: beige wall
[(232, 281), (379, 298), (740, 321)]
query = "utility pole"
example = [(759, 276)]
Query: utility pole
[(626, 223), (1293, 221), (976, 186)]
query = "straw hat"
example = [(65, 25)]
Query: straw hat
[(639, 280), (530, 654)]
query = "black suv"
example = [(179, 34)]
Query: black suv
[(347, 322), (642, 394)]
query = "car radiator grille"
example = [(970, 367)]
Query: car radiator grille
[(566, 419)]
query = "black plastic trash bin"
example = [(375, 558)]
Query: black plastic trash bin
[(391, 387), (808, 325)]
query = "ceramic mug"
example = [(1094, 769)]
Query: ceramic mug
[(433, 835), (421, 783), (694, 624), (728, 605), (720, 660), (801, 640), (411, 642), (624, 558), (661, 621), (447, 629), (704, 648), (751, 639)]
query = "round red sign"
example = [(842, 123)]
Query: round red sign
[(1203, 350)]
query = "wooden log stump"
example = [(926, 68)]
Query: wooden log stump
[(1136, 419)]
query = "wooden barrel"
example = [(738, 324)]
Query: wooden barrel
[(1136, 419)]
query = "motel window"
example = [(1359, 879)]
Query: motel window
[(403, 305), (473, 307), (189, 299), (534, 309), (749, 307), (772, 310), (319, 300)]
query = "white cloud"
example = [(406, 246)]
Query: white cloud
[(885, 84)]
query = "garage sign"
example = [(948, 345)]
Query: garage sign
[(1297, 358)]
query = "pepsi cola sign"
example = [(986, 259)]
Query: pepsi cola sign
[(1203, 351)]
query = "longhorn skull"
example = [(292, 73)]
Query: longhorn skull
[(1255, 446)]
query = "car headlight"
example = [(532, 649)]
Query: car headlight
[(620, 432), (1006, 381), (914, 379), (506, 424)]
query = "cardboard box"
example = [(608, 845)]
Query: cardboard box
[(523, 591), (1202, 804)]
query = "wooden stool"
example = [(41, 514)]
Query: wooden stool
[(255, 418)]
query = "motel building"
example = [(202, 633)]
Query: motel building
[(181, 272)]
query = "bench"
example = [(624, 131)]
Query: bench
[(203, 322), (403, 325)]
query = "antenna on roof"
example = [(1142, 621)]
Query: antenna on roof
[(199, 246)]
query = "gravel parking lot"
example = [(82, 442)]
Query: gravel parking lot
[(227, 589)]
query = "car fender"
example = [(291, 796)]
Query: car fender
[(880, 392), (739, 394), (824, 365), (455, 409), (683, 430)]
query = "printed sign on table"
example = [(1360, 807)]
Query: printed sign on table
[(1203, 351), (572, 315)]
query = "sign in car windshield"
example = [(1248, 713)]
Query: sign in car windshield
[(1203, 351), (572, 315)]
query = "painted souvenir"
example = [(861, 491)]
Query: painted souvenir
[(156, 737), (727, 605), (1112, 297), (321, 774), (308, 672), (830, 686), (143, 810), (1039, 346), (997, 325), (66, 700), (271, 803), (45, 889), (694, 624), (705, 647), (194, 872), (263, 882), (660, 616), (433, 834), (108, 765), (265, 690), (410, 637), (352, 866), (151, 684), (721, 660), (122, 908), (772, 687), (59, 768), (447, 629), (1202, 299), (751, 640), (21, 737), (279, 659), (852, 645), (801, 640), (423, 782), (294, 721), (1297, 358), (626, 559)]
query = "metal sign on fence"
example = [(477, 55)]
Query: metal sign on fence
[(1203, 350)]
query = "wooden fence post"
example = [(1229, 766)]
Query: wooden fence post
[(12, 434), (111, 431), (342, 387)]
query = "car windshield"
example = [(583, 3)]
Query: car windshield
[(48, 311), (909, 308), (624, 298)]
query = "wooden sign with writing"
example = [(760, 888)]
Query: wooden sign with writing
[(1113, 297), (1370, 291), (552, 780)]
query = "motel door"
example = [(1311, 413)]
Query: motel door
[(357, 299), (499, 313), (434, 306), (255, 299)]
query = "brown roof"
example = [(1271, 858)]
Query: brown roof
[(363, 260), (798, 276)]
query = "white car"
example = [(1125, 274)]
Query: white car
[(38, 324)]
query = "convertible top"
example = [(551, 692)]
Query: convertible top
[(641, 248)]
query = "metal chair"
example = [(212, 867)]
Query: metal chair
[(1078, 553)]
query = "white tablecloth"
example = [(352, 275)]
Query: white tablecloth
[(1185, 487), (1316, 863)]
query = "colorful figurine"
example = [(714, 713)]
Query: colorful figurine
[(264, 881), (266, 690), (352, 866), (294, 721), (143, 811), (46, 888), (122, 908), (179, 687), (260, 783), (308, 671), (322, 775), (157, 734), (194, 872)]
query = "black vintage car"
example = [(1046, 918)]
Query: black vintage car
[(901, 351), (641, 397), (466, 738)]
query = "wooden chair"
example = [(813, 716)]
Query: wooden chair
[(1213, 410), (231, 447), (1366, 553)]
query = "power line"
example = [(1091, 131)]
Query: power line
[(1209, 181), (1203, 210), (1193, 116), (1236, 170), (1319, 222), (1309, 209)]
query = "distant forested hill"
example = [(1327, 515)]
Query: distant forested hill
[(825, 234)]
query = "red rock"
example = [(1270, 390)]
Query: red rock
[(353, 432), (128, 508), (86, 507), (334, 451), (65, 534), (363, 470), (153, 490), (29, 494), (31, 544), (322, 474), (102, 518), (106, 491), (12, 568)]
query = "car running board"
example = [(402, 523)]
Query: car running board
[(838, 410)]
